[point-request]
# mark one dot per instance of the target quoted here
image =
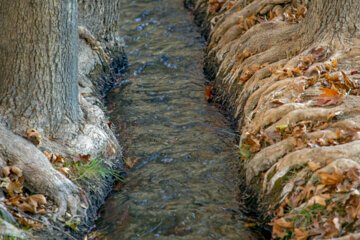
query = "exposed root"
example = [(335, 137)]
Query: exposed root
[(39, 174)]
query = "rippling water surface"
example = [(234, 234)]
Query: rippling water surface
[(182, 186)]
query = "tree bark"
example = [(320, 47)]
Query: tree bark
[(100, 17), (38, 64)]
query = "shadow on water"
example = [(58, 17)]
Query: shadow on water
[(183, 184)]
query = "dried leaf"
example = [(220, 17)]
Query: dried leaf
[(26, 207), (37, 200), (280, 226), (250, 224), (14, 187), (13, 200), (349, 83), (331, 178), (313, 165), (64, 170), (319, 199), (301, 234), (208, 92), (81, 158), (331, 96), (34, 136), (319, 53), (130, 163), (30, 224)]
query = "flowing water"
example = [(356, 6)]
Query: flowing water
[(183, 186)]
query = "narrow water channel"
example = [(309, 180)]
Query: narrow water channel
[(183, 184)]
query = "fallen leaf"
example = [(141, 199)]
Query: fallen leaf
[(130, 163), (280, 226), (36, 226), (26, 207), (250, 224), (301, 234), (14, 187), (64, 170), (208, 92), (34, 136), (37, 200), (319, 199), (50, 156), (349, 83), (81, 158), (313, 166), (318, 53), (331, 178), (59, 160), (331, 96)]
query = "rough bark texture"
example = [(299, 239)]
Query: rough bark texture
[(38, 52), (249, 88), (101, 18), (45, 63)]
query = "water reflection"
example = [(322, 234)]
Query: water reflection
[(182, 187)]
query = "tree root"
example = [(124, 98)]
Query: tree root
[(252, 95), (39, 174)]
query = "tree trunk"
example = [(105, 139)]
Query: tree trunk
[(100, 17), (38, 64)]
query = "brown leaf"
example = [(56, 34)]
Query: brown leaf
[(313, 166), (130, 163), (254, 144), (30, 224), (50, 156), (59, 159), (250, 224), (301, 234), (37, 200), (280, 226), (81, 158), (331, 178), (26, 207), (319, 199), (349, 83), (13, 200), (331, 96), (64, 170), (208, 92), (14, 187), (34, 136), (319, 53)]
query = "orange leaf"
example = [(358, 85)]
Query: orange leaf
[(34, 136), (331, 179), (301, 234), (331, 96), (313, 166), (208, 92), (319, 199), (250, 224), (81, 158), (279, 227), (130, 163)]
